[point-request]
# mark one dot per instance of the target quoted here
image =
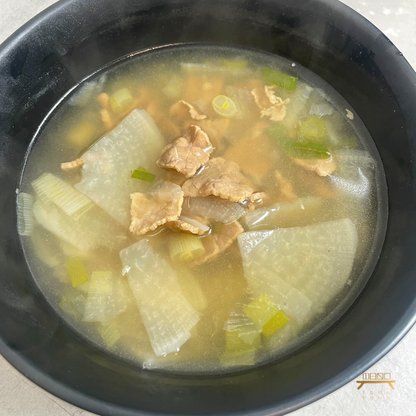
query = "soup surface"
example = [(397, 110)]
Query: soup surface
[(201, 209)]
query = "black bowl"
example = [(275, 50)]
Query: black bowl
[(41, 62)]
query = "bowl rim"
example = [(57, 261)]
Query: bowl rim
[(373, 355)]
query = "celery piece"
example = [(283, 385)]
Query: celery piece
[(185, 247), (286, 264), (167, 315), (278, 321), (261, 310), (106, 173), (120, 100), (313, 128), (224, 106), (109, 333), (50, 188), (280, 79), (143, 174), (25, 221), (76, 271), (304, 149)]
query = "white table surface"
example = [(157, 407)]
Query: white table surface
[(20, 397)]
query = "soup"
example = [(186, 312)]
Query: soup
[(201, 209)]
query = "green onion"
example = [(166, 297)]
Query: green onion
[(50, 188), (266, 315), (185, 247), (304, 149), (76, 271), (109, 333), (313, 128), (280, 79), (235, 342), (120, 100), (25, 221), (224, 106), (299, 148), (245, 358), (277, 131), (142, 174)]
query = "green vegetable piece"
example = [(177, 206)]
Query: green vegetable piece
[(236, 342), (277, 131), (305, 149), (49, 188), (185, 247), (109, 333), (313, 128), (76, 271), (68, 307), (120, 100), (266, 315), (277, 322), (142, 174), (280, 79), (224, 106), (245, 358)]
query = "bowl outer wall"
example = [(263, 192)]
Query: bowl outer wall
[(48, 56)]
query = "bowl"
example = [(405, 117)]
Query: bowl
[(51, 54)]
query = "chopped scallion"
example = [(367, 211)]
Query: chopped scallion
[(305, 149), (76, 271), (224, 106), (313, 128), (185, 247), (142, 174), (280, 79), (266, 315), (120, 100)]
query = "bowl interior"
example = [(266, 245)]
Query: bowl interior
[(73, 39)]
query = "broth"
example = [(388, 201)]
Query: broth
[(305, 245)]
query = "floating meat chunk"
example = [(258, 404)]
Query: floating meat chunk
[(270, 105), (216, 243), (160, 204), (71, 166), (187, 154), (214, 208), (322, 167), (195, 225), (221, 178), (255, 200), (176, 177), (183, 110), (228, 235), (211, 250)]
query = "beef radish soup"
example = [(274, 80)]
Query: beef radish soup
[(202, 209)]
